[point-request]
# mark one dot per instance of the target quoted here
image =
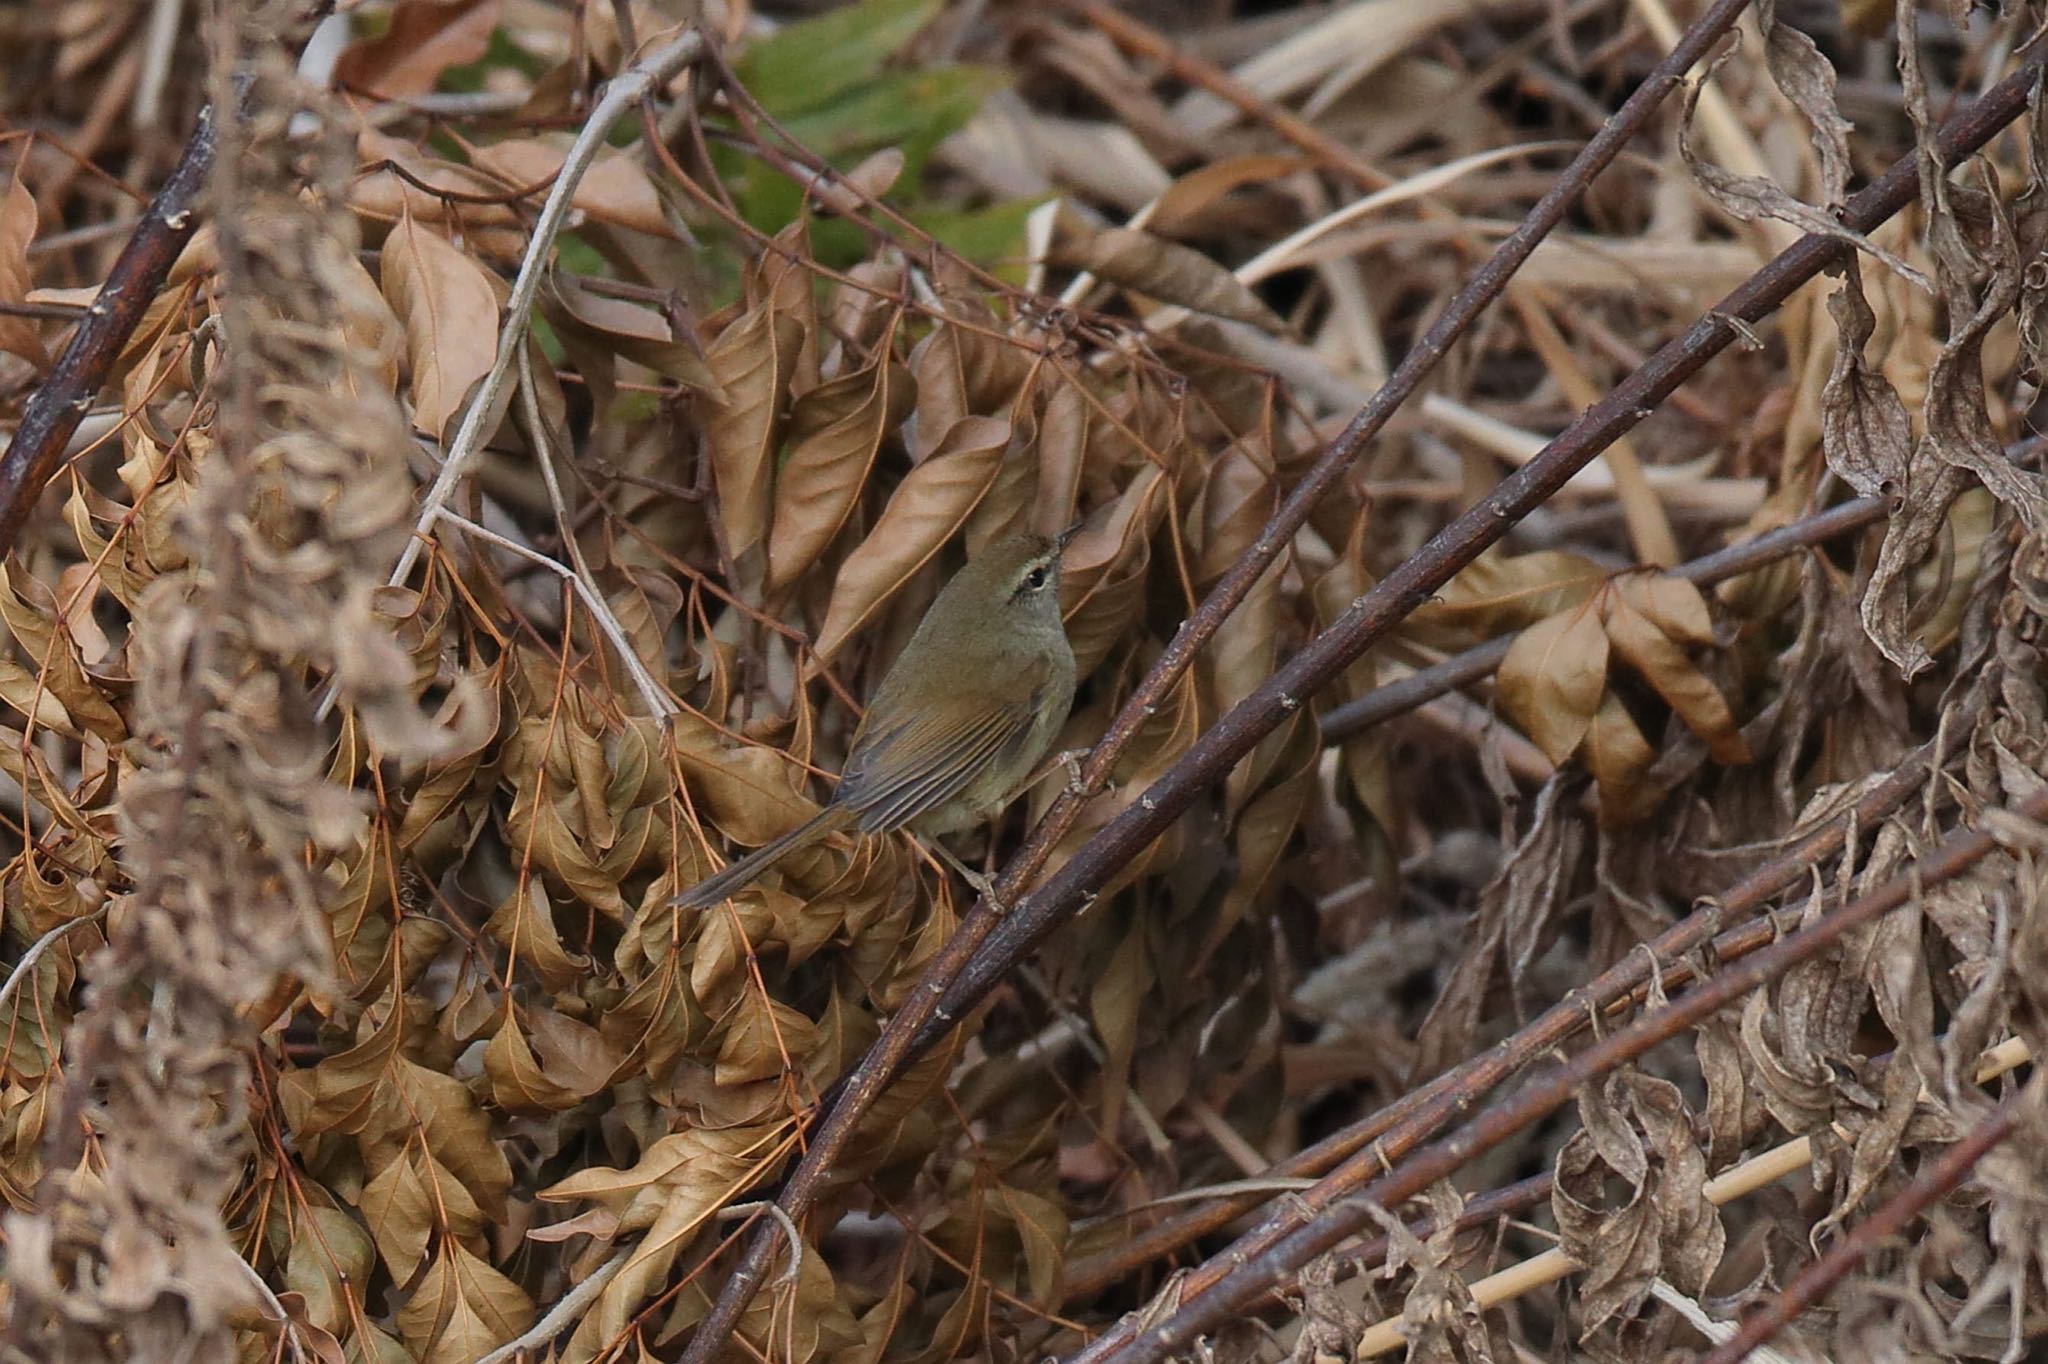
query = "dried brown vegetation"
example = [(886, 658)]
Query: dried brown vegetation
[(517, 435)]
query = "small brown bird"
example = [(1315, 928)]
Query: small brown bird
[(962, 718)]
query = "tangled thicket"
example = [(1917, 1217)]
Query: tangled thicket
[(345, 1012)]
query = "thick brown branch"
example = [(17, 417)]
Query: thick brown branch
[(1423, 1112), (60, 402), (1252, 1276)]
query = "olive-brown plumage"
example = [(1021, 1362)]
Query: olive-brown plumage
[(961, 719)]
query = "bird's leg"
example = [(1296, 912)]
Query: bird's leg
[(984, 885), (1070, 758)]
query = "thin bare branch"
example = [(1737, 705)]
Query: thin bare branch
[(61, 400), (1260, 713), (1250, 1276)]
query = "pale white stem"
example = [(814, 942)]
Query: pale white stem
[(36, 949), (658, 703), (562, 1313), (621, 94)]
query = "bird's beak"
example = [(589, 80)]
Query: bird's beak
[(1068, 534)]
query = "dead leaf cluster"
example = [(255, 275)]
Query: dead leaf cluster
[(360, 1026)]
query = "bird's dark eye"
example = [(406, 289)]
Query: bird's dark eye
[(1035, 579)]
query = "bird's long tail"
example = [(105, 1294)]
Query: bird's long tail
[(741, 874)]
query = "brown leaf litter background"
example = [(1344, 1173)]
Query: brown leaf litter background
[(486, 510)]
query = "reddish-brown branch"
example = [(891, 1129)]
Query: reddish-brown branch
[(60, 402), (1813, 1282), (1412, 582), (1258, 715), (1421, 1113), (1251, 1276)]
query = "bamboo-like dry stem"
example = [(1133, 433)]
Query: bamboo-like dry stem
[(1250, 1275), (1751, 1175)]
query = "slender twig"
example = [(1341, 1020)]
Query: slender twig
[(1398, 698), (1132, 36), (22, 968), (1765, 1168), (1813, 1282), (565, 1311), (1250, 1276), (61, 400), (1421, 1113), (621, 94), (659, 705), (288, 1328), (899, 1038)]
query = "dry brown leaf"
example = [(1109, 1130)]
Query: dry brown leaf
[(927, 507), (1662, 663), (18, 335), (406, 1201), (591, 325), (1498, 592), (1553, 678), (425, 38), (1165, 271), (329, 1260), (462, 1309), (1187, 201), (835, 432), (1619, 758), (753, 361), (450, 312)]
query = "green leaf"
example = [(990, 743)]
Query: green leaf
[(992, 235), (812, 63), (912, 109)]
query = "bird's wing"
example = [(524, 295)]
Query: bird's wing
[(918, 763)]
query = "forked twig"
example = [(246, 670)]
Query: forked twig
[(621, 94), (659, 705)]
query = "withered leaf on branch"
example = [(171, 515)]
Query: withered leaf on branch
[(1637, 1130), (425, 38), (924, 511), (18, 335), (450, 311), (1160, 269)]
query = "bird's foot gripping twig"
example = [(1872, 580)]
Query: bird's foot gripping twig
[(984, 885), (1070, 759)]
